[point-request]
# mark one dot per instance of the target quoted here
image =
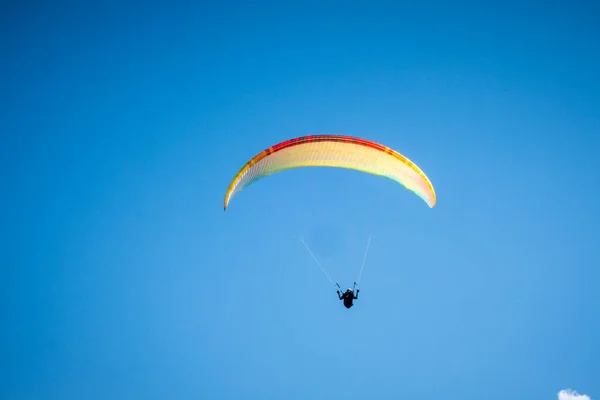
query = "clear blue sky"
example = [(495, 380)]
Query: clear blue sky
[(123, 125)]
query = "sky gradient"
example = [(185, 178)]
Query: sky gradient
[(122, 126)]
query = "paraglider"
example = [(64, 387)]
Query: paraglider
[(336, 151), (348, 296)]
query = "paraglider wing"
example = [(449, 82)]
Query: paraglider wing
[(334, 151)]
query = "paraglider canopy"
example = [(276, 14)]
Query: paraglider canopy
[(334, 151)]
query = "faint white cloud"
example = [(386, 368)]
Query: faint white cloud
[(572, 395)]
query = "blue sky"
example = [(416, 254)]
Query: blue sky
[(123, 125)]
